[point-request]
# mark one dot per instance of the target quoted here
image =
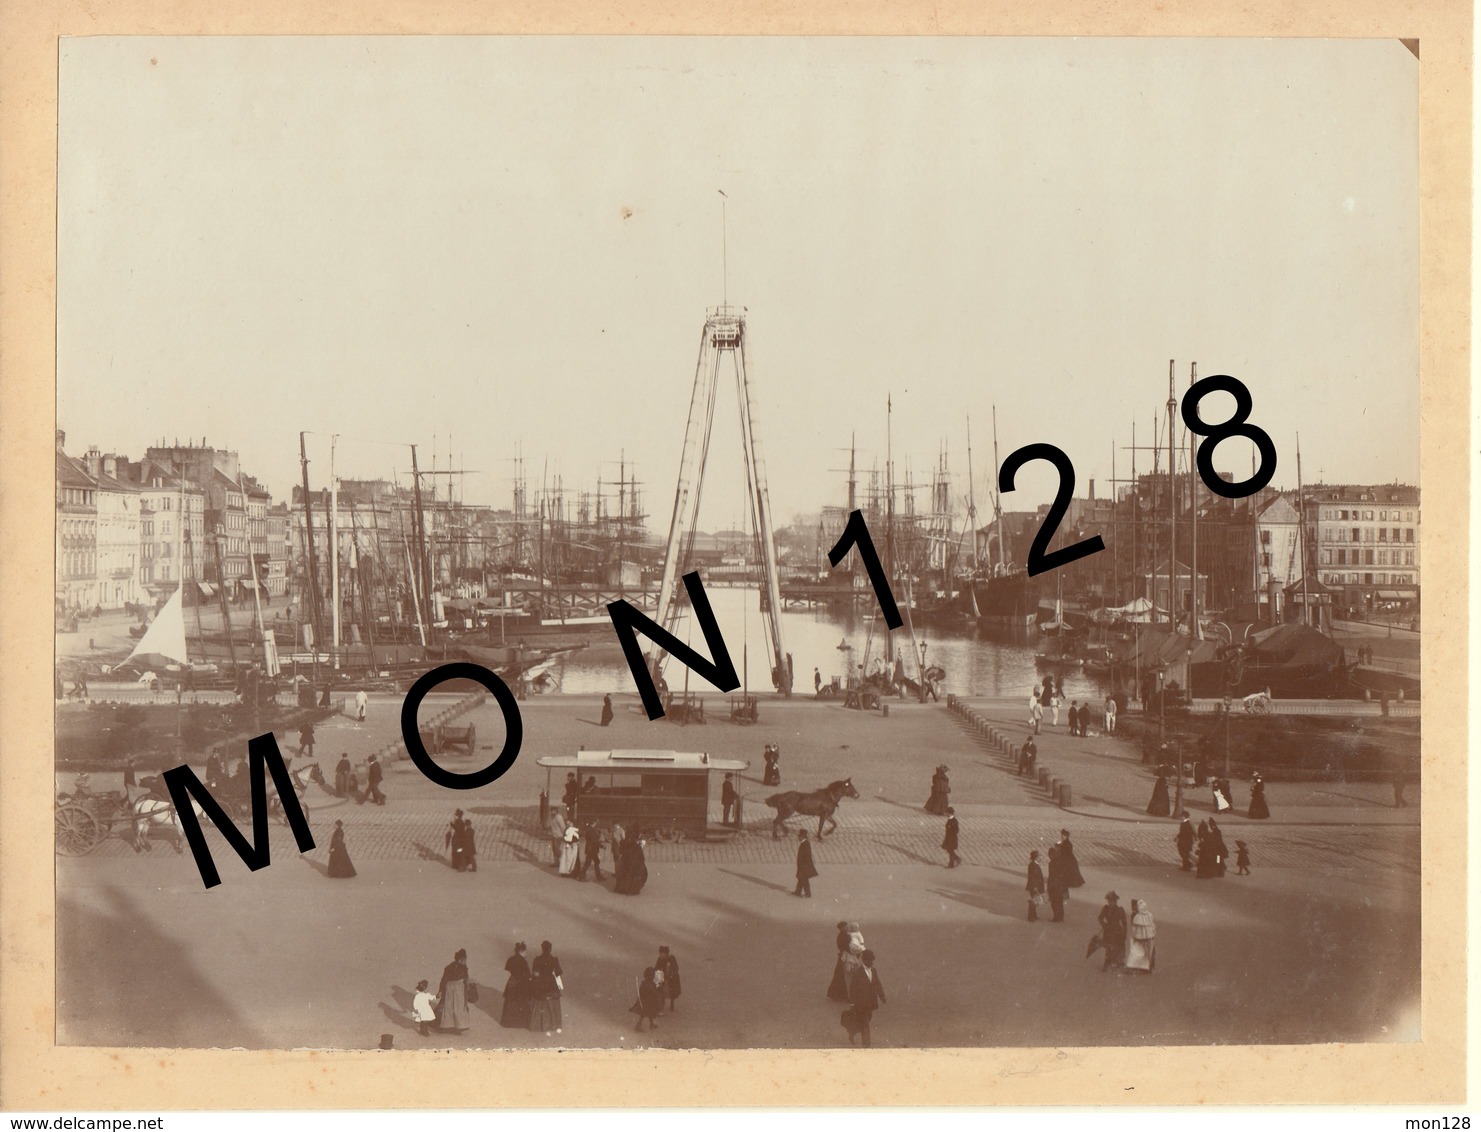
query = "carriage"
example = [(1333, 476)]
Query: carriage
[(84, 819), (664, 793)]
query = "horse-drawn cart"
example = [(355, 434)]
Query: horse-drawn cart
[(84, 819)]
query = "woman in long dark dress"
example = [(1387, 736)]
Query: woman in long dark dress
[(545, 991), (632, 870), (1071, 867), (940, 791), (1160, 806), (1258, 807), (516, 1012), (649, 1003), (606, 709), (838, 988), (339, 856), (1207, 866), (1221, 851), (452, 995)]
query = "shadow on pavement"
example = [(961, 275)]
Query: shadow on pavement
[(904, 852), (155, 994), (428, 854), (756, 880)]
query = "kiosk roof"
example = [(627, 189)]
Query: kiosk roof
[(642, 760)]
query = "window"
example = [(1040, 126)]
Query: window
[(1367, 579), (1383, 558), (1383, 534), (1342, 558), (1367, 558), (1409, 534), (1265, 538), (1326, 558), (1368, 515), (1265, 560), (1383, 516), (1408, 558), (1357, 535), (1342, 515)]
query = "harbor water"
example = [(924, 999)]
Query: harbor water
[(977, 662)]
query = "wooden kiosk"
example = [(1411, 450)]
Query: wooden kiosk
[(665, 793)]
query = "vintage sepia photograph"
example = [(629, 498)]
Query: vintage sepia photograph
[(929, 532)]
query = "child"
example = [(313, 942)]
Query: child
[(423, 1007), (1242, 859)]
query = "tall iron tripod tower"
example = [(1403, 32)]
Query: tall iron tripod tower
[(723, 337)]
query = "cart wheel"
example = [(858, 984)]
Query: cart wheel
[(77, 831)]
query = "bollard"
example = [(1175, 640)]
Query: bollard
[(1043, 777), (884, 711), (1064, 795), (1053, 787)]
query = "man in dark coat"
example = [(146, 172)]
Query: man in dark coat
[(805, 868), (1028, 757), (213, 770), (729, 799), (591, 851), (668, 966), (1184, 841), (949, 841), (607, 718), (571, 795), (866, 993), (1057, 889), (373, 783), (1035, 885), (306, 740), (1113, 932), (1072, 875)]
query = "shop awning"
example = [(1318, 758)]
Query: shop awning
[(207, 588), (248, 584), (1395, 595)]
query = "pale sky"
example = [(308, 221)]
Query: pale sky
[(512, 242)]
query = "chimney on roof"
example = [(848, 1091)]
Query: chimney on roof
[(61, 440), (110, 465), (1092, 491)]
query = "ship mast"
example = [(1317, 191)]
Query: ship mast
[(996, 498)]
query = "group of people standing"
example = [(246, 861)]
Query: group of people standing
[(1049, 697), (855, 981), (1161, 804), (1054, 890), (575, 849), (532, 993), (347, 782), (1128, 946)]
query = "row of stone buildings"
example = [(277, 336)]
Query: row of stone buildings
[(128, 532), (1361, 548)]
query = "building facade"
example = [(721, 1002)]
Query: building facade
[(1366, 541), (76, 532), (117, 532)]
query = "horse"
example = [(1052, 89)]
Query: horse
[(821, 803), (149, 810)]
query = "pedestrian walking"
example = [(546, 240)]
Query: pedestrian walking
[(607, 709), (1221, 851), (570, 851), (423, 1008), (462, 852), (555, 826), (546, 985), (949, 839), (452, 994), (1242, 859), (1222, 804), (1258, 806), (362, 701), (373, 783), (1055, 701), (668, 966), (817, 681), (1110, 715), (618, 837), (1184, 839), (866, 993), (1055, 887), (591, 851), (1036, 715), (339, 857), (1112, 920), (571, 795), (1033, 702), (1028, 757), (649, 1001), (343, 772), (515, 1014), (632, 869), (729, 800), (772, 756), (1072, 877), (306, 739), (1141, 942), (1160, 806), (1035, 886), (838, 987), (940, 791), (805, 868), (1399, 782)]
